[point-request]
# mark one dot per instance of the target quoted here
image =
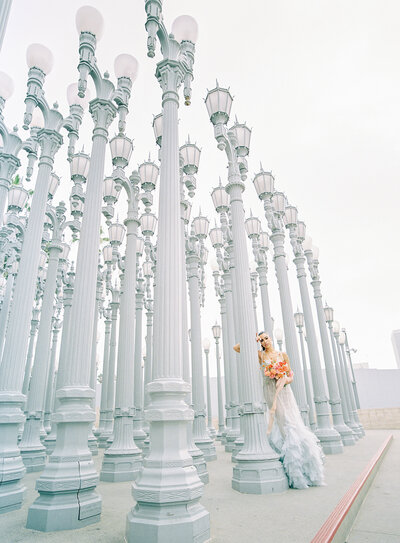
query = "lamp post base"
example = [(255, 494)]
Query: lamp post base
[(67, 497), (67, 511), (206, 445), (12, 468), (34, 458), (148, 524), (11, 496), (103, 438), (346, 434), (237, 447), (120, 466), (259, 477), (330, 440), (200, 464)]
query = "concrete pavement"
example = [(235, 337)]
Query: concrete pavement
[(292, 517)]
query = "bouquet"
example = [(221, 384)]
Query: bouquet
[(277, 369)]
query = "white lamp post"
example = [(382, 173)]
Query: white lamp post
[(210, 426), (162, 475), (75, 412), (39, 60), (274, 207), (345, 432), (216, 330), (355, 403), (329, 437), (221, 202), (299, 321), (266, 473)]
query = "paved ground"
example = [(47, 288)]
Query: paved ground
[(378, 520), (292, 517)]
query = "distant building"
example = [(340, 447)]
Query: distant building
[(361, 366), (396, 345)]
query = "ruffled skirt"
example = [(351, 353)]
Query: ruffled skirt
[(297, 446)]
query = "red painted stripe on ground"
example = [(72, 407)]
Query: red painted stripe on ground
[(328, 530)]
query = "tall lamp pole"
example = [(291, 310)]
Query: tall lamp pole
[(299, 321), (274, 207), (168, 489), (346, 434), (329, 438), (216, 330), (12, 367), (257, 469), (210, 426), (79, 504)]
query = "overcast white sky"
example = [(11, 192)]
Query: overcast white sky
[(319, 83)]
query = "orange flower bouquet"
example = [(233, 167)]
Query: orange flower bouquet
[(277, 369)]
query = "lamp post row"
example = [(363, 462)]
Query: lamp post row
[(166, 485)]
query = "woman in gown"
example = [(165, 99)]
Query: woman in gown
[(297, 446)]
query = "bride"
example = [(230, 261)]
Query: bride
[(297, 446)]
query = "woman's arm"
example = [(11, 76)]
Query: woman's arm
[(286, 359), (237, 347)]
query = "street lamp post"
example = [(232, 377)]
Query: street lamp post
[(216, 329), (189, 157), (123, 459), (14, 355), (257, 468), (80, 505), (226, 264), (32, 450), (353, 381), (210, 426), (168, 488), (68, 280), (200, 435), (329, 438), (274, 207), (260, 245), (48, 407), (345, 432), (333, 326), (299, 321), (358, 427)]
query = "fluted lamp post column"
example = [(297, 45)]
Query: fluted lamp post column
[(260, 244), (168, 489), (40, 61), (257, 469), (299, 321), (358, 427), (123, 459), (200, 435), (68, 498), (32, 450), (345, 432), (210, 426), (338, 338), (274, 207), (329, 437), (110, 196), (354, 384), (334, 329), (226, 264), (216, 237), (216, 330)]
